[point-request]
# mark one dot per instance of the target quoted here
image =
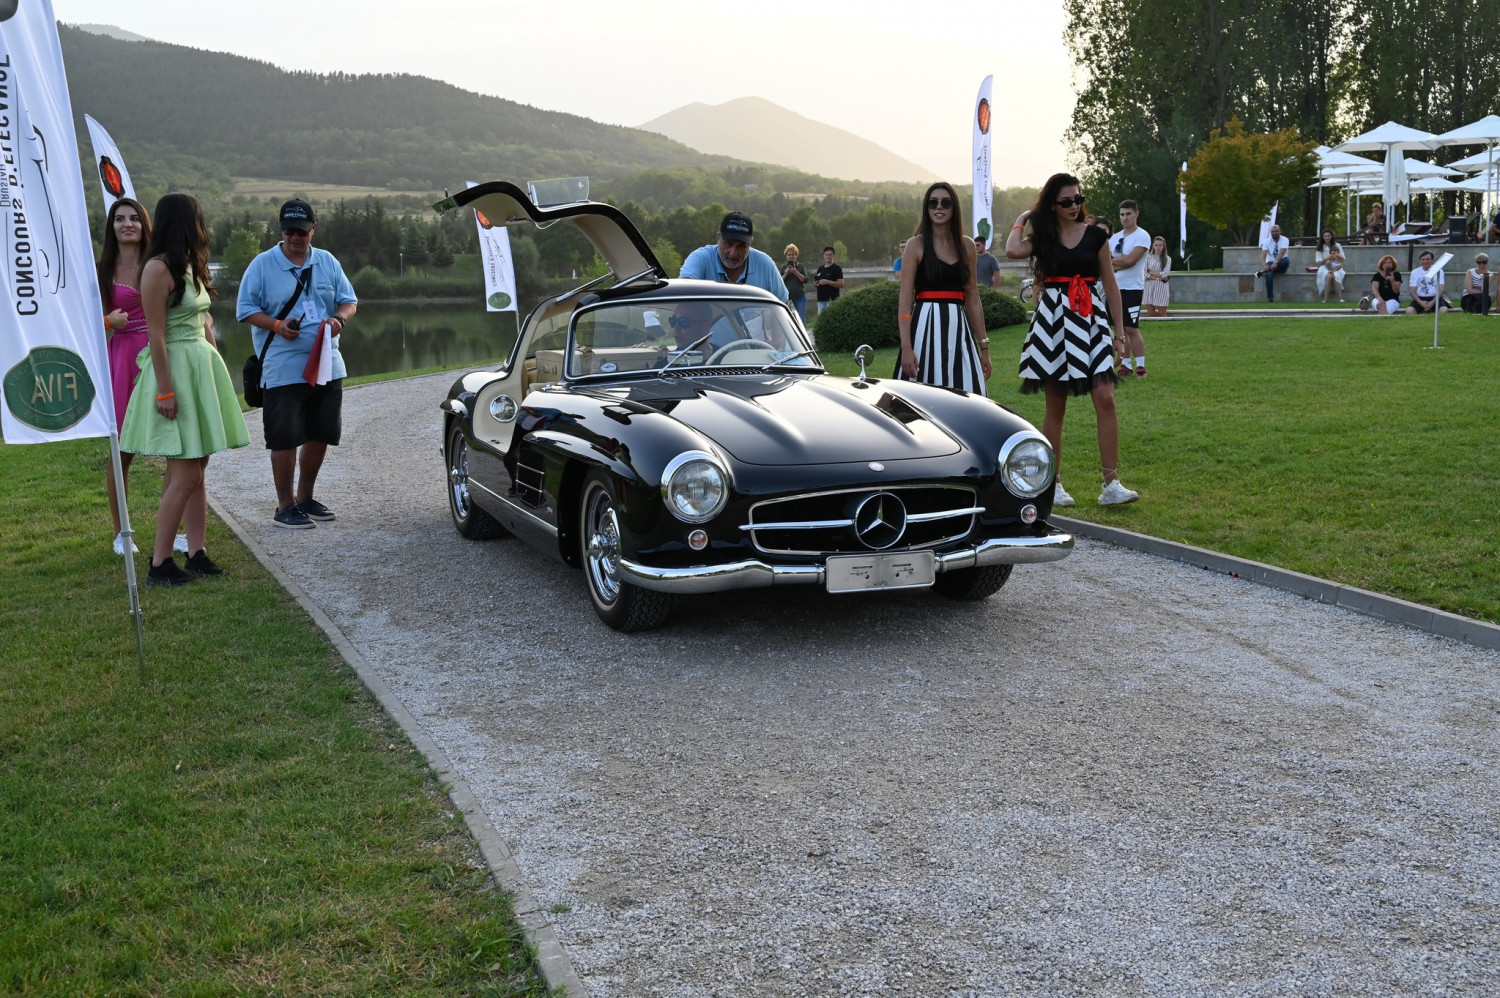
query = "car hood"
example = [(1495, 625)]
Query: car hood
[(800, 420)]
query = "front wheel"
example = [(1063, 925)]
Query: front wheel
[(468, 519), (977, 583), (620, 604)]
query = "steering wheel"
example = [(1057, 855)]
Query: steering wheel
[(729, 348)]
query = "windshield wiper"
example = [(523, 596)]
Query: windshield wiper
[(785, 360), (687, 349)]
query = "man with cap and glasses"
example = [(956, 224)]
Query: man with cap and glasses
[(731, 260), (287, 294)]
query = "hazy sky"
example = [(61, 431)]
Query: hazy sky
[(903, 75)]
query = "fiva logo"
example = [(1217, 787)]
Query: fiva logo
[(50, 389)]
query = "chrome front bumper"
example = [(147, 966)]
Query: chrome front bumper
[(753, 573)]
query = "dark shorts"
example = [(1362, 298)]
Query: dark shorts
[(1130, 301), (296, 413)]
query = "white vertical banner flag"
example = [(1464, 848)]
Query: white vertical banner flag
[(1182, 214), (54, 370), (984, 188), (499, 272), (114, 179)]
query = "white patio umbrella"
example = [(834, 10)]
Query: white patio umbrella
[(1430, 186), (1485, 132), (1392, 139), (1335, 170)]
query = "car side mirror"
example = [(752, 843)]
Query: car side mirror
[(862, 354)]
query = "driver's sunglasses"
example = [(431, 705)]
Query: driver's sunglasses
[(677, 323), (936, 204), (1070, 202)]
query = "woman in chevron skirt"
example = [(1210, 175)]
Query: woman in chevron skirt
[(1069, 349), (938, 339)]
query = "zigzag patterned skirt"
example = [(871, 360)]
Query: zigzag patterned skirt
[(946, 352), (1065, 348)]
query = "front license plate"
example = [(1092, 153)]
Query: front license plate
[(848, 573)]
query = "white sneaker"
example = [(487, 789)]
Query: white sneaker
[(1060, 495), (179, 543), (120, 545), (1115, 494)]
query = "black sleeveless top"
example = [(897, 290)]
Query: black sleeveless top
[(1083, 259), (950, 277)]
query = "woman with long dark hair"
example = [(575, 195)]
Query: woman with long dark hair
[(184, 407), (127, 231), (1069, 348), (1329, 256), (942, 337)]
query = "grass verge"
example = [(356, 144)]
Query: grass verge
[(1345, 449), (246, 820)]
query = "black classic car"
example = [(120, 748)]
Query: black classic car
[(672, 436)]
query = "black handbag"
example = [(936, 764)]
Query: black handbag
[(255, 395)]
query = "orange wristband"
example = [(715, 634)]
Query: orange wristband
[(906, 316), (163, 398)]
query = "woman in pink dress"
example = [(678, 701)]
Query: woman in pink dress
[(125, 237)]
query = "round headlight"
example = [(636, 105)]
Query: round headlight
[(1026, 463), (694, 487)]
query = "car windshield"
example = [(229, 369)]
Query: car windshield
[(657, 335)]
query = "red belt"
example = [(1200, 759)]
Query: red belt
[(1080, 295), (940, 296)]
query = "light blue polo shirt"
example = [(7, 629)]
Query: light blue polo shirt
[(760, 270), (268, 282)]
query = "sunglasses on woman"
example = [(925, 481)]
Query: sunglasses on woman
[(1070, 202), (939, 203)]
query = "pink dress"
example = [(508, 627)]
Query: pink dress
[(125, 345)]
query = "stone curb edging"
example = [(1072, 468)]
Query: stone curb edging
[(557, 970), (1386, 608)]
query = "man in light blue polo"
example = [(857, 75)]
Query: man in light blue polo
[(730, 260), (288, 293)]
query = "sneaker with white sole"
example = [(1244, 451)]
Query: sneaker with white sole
[(314, 510), (1115, 494), (1060, 495), (179, 543), (292, 518), (120, 545)]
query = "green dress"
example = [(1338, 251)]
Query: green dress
[(208, 413)]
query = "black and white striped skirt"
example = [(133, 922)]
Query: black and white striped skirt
[(1066, 348), (946, 352)]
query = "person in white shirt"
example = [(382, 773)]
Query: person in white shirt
[(1128, 249), (1275, 257), (1427, 288), (1329, 256)]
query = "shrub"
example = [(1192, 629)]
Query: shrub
[(869, 316), (370, 283)]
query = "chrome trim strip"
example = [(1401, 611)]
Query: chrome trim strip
[(550, 528), (942, 514), (798, 525), (753, 573)]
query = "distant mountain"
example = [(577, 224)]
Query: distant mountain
[(110, 31), (188, 109), (755, 129)]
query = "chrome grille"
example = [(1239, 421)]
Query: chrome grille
[(824, 522)]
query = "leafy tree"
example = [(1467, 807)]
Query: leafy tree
[(1236, 176), (441, 250), (242, 246)]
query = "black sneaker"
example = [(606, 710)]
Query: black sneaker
[(314, 510), (292, 518), (167, 574), (201, 564)]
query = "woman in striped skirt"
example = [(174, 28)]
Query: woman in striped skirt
[(938, 342), (1069, 349)]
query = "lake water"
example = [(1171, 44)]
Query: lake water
[(398, 336)]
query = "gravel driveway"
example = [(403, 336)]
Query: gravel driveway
[(1119, 776)]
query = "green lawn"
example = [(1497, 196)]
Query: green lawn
[(1344, 448), (246, 820)]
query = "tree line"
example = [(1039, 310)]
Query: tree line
[(1162, 78)]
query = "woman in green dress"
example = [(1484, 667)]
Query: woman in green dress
[(184, 407)]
